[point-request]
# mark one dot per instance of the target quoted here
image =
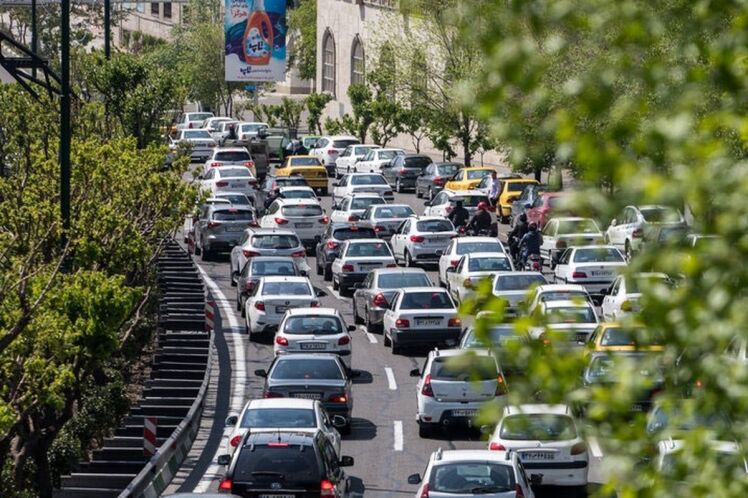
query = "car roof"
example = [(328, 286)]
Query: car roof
[(267, 259), (272, 231), (291, 437), (488, 254), (340, 137), (537, 408), (280, 403), (342, 224), (303, 156), (517, 273), (593, 246), (673, 445), (362, 194), (312, 311), (477, 239), (230, 149), (306, 356), (415, 155), (441, 353), (569, 218), (516, 179), (290, 188), (479, 168), (370, 240), (399, 269), (295, 202), (561, 287), (454, 193), (217, 200), (423, 289), (567, 304), (385, 206), (467, 455), (289, 279)]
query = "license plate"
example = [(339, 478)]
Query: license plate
[(580, 337), (369, 266), (313, 345), (600, 273), (464, 413), (303, 225), (429, 322), (234, 229), (277, 496), (307, 395), (281, 309), (538, 455)]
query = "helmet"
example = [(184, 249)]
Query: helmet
[(483, 206), (523, 217), (533, 227)]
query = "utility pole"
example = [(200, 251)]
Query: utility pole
[(107, 29), (65, 131), (34, 36)]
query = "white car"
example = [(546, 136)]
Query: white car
[(304, 216), (629, 229), (471, 473), (229, 179), (571, 321), (385, 219), (724, 452), (269, 300), (474, 267), (453, 385), (314, 330), (283, 414), (460, 246), (422, 239), (328, 148), (200, 142), (297, 193), (445, 200), (230, 156), (346, 161), (356, 258), (249, 130), (351, 207), (623, 295), (357, 183), (593, 267), (514, 287), (221, 130), (547, 440), (191, 120), (560, 233), (556, 292), (213, 125), (373, 161), (421, 316), (270, 242)]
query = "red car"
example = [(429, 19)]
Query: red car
[(546, 206)]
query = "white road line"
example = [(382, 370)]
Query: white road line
[(595, 449), (372, 338), (239, 371), (337, 295), (398, 426), (390, 378)]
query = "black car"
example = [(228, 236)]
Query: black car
[(528, 196), (286, 463), (433, 178), (402, 172), (258, 267), (328, 246)]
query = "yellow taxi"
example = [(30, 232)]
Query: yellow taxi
[(467, 178), (509, 190), (307, 166), (614, 337)]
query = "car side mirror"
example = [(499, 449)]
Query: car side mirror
[(450, 269), (339, 421), (427, 203), (604, 292), (261, 373), (536, 479), (334, 207), (319, 292), (346, 461), (231, 420), (336, 184), (415, 373), (224, 459), (351, 328), (358, 285), (613, 222), (414, 479)]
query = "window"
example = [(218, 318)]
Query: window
[(167, 10), (328, 63), (357, 62), (154, 9)]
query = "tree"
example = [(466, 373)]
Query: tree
[(362, 117), (290, 111), (315, 105), (302, 23)]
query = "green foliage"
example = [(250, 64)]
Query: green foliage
[(290, 112), (362, 118), (315, 105), (303, 51)]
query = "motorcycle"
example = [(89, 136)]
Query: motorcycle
[(533, 263)]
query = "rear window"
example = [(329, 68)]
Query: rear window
[(299, 194), (562, 295), (479, 367), (307, 369), (489, 264), (252, 127), (278, 417), (635, 284), (233, 156), (234, 173), (304, 161), (272, 241), (286, 289), (464, 478), (426, 300), (354, 233), (200, 116), (401, 280), (598, 255), (233, 215), (578, 226), (368, 180), (619, 336), (477, 174), (471, 247), (317, 325), (470, 201), (234, 198), (447, 169), (393, 212), (417, 162), (190, 134), (660, 215), (538, 427), (365, 202), (494, 336), (518, 282), (292, 464), (290, 181), (576, 314), (302, 210), (517, 186), (435, 226), (368, 249), (273, 268), (389, 154), (342, 144)]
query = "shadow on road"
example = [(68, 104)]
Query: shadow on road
[(361, 377), (361, 430)]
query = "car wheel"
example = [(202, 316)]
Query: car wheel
[(346, 429), (196, 249), (204, 254), (419, 195), (335, 284), (355, 170), (628, 253), (233, 275), (408, 260), (356, 317), (386, 340), (324, 191), (425, 430), (504, 219), (320, 269), (396, 348), (371, 327), (327, 275), (247, 329), (238, 302), (345, 291)]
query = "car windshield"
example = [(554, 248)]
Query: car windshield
[(572, 314), (316, 325), (634, 285), (473, 247), (577, 226), (278, 417), (290, 181), (393, 212), (304, 161), (538, 427), (273, 268), (234, 173), (518, 282), (263, 464), (603, 367), (342, 144), (494, 336), (556, 201), (517, 186), (417, 162), (402, 280), (234, 198), (365, 202), (189, 134), (286, 289), (471, 201), (426, 300), (389, 154), (302, 210), (673, 234), (354, 233), (309, 142), (307, 369), (660, 215), (472, 478), (447, 169), (472, 367), (598, 255), (619, 336), (252, 127), (272, 241), (477, 174), (368, 249), (299, 194), (368, 180), (489, 264), (362, 150), (233, 215), (435, 226), (232, 156), (200, 116)]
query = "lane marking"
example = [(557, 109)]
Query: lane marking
[(337, 295), (398, 426), (390, 378), (238, 379), (372, 338), (595, 449)]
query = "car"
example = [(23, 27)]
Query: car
[(593, 267), (474, 267), (422, 239), (188, 227), (622, 297), (525, 201), (468, 178), (357, 257), (286, 463), (737, 352), (220, 130), (498, 339), (328, 148), (509, 190), (548, 205), (329, 243), (513, 288), (219, 228), (572, 322), (190, 120), (467, 473), (297, 193), (454, 385), (283, 414), (385, 219), (421, 316), (236, 199), (560, 233), (268, 301), (432, 179), (308, 141), (632, 226), (318, 376), (213, 125), (548, 442), (402, 171), (267, 242), (351, 207), (465, 245), (307, 166), (375, 159), (304, 216), (249, 130), (728, 455), (272, 184), (200, 142), (262, 266), (356, 183), (556, 292), (229, 179), (346, 161), (444, 202), (615, 337), (230, 156), (314, 330)]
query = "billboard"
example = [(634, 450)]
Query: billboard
[(255, 40)]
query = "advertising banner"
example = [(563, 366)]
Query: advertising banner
[(255, 40)]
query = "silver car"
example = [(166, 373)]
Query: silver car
[(267, 242), (200, 140), (513, 287), (258, 267), (219, 228), (374, 294), (385, 219)]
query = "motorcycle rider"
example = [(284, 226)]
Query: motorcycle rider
[(459, 215), (481, 221), (530, 243), (519, 231)]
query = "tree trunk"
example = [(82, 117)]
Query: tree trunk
[(538, 173), (41, 458)]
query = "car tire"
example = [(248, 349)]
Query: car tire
[(238, 302), (196, 249), (335, 284), (247, 330), (628, 253), (356, 317), (386, 340), (396, 348), (419, 195), (504, 219), (346, 429), (579, 491), (320, 269), (327, 274), (324, 191), (398, 186), (345, 291), (204, 255), (233, 275), (408, 260), (425, 430), (371, 327)]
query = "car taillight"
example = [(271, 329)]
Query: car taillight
[(299, 254), (249, 254), (324, 220), (314, 304), (222, 184), (326, 489), (235, 441), (347, 268), (331, 152), (425, 491), (252, 183), (454, 322), (189, 125), (249, 164), (417, 238), (578, 274), (401, 172), (536, 265), (454, 262), (638, 233), (338, 398), (344, 340), (331, 244), (281, 221), (378, 229), (260, 305), (496, 447), (402, 323), (518, 493), (271, 394), (467, 283), (500, 386), (426, 389), (215, 164), (281, 341), (249, 285), (379, 301), (579, 448), (214, 224), (438, 180), (225, 485)]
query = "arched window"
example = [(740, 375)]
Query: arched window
[(328, 63), (358, 64)]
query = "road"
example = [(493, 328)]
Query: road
[(384, 441)]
